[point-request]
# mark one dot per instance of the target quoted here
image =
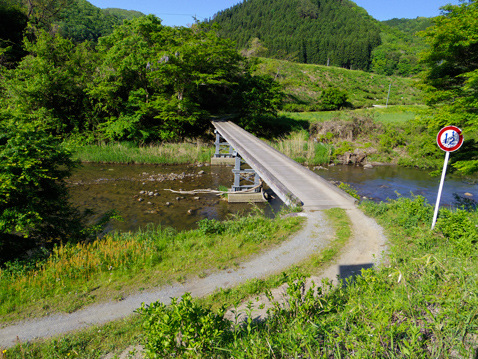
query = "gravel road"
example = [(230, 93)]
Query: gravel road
[(312, 238)]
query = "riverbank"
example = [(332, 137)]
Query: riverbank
[(420, 302), (119, 264), (359, 137)]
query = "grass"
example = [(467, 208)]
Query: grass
[(420, 303), (126, 152), (390, 115), (114, 337), (302, 149), (119, 264), (304, 83)]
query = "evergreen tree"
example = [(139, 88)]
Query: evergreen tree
[(318, 31)]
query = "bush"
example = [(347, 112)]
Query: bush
[(182, 328), (333, 99)]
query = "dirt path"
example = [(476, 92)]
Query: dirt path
[(363, 250)]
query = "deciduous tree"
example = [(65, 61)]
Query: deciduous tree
[(451, 77)]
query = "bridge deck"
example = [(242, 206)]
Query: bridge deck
[(287, 178)]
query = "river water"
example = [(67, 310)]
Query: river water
[(139, 192)]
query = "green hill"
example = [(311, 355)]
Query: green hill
[(81, 20), (338, 33), (303, 84), (400, 48)]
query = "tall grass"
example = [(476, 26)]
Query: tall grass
[(117, 264), (300, 148), (126, 152)]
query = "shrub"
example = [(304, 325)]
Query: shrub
[(182, 328), (333, 99)]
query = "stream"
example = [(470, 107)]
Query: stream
[(139, 192)]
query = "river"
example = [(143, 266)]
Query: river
[(139, 192)]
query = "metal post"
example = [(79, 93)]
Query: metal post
[(435, 215), (388, 96), (217, 143), (237, 174)]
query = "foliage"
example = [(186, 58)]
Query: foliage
[(14, 22), (144, 82), (452, 72), (42, 13), (303, 29), (400, 47), (161, 83), (119, 263), (50, 83), (182, 328), (33, 195), (80, 21), (333, 98)]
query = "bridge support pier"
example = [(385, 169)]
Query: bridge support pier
[(247, 175), (247, 185), (224, 154)]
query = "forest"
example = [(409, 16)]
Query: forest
[(325, 32), (302, 31)]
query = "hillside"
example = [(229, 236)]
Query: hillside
[(81, 20), (399, 51), (339, 33), (303, 84)]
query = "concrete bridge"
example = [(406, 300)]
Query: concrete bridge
[(292, 182)]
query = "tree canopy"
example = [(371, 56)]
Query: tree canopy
[(451, 76)]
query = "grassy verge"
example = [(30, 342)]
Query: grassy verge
[(124, 152), (118, 264), (116, 336), (421, 304)]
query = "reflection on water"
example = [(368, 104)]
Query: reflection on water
[(105, 187), (382, 182)]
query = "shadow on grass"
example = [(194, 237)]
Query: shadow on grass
[(273, 127)]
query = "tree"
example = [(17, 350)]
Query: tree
[(451, 78), (161, 83), (12, 26), (52, 79), (333, 98), (33, 195)]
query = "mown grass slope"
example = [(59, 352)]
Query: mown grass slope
[(304, 83)]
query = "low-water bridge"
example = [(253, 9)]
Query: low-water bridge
[(292, 182)]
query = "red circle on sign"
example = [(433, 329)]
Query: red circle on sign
[(450, 138)]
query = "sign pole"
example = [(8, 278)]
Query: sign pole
[(449, 139), (437, 205)]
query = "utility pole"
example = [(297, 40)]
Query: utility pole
[(389, 88)]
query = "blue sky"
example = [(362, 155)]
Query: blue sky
[(181, 12)]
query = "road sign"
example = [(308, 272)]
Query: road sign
[(450, 138)]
